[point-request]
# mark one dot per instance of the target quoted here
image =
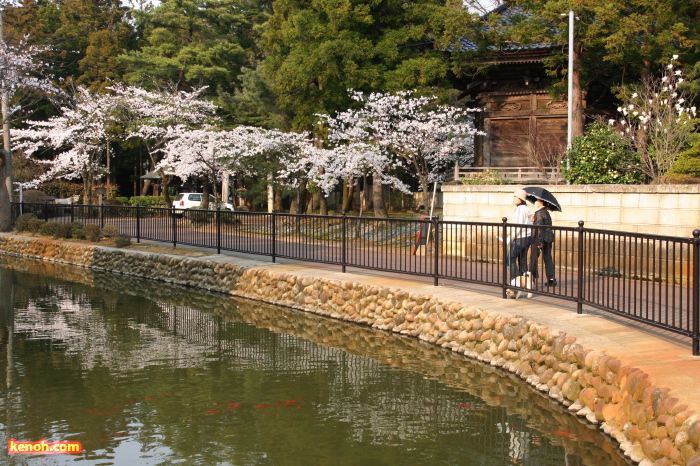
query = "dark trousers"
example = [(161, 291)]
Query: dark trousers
[(517, 259), (546, 256)]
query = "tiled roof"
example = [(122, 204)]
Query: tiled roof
[(507, 12)]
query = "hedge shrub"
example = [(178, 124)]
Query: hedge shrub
[(601, 156)]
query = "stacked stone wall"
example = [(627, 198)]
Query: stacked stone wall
[(650, 424)]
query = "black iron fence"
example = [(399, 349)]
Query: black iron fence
[(646, 278)]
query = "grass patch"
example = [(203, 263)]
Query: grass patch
[(169, 250)]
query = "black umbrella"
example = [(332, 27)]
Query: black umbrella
[(535, 192)]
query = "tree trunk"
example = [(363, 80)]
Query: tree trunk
[(310, 203), (278, 201), (225, 188), (378, 197), (425, 193), (205, 196), (6, 170), (87, 188), (577, 122), (270, 194), (323, 204), (166, 191), (348, 193), (146, 186), (299, 201), (5, 207), (108, 156)]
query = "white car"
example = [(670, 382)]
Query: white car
[(194, 201)]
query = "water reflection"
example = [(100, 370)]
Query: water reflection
[(151, 373)]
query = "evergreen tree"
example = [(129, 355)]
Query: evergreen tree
[(317, 49), (84, 37), (193, 43)]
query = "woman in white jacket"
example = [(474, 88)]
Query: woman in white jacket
[(520, 237)]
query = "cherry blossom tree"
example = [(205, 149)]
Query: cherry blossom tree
[(394, 133), (289, 159), (210, 153), (152, 114), (326, 168), (77, 139), (20, 69)]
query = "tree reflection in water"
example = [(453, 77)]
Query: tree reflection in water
[(145, 371)]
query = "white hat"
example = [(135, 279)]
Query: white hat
[(520, 194)]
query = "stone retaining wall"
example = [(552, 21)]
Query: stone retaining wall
[(651, 425)]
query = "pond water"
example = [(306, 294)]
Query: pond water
[(141, 372)]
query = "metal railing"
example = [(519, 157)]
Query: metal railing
[(515, 175), (646, 278)]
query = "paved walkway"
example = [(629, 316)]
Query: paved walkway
[(666, 357)]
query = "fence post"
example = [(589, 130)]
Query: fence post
[(102, 215), (696, 293), (274, 235), (504, 236), (436, 246), (172, 211), (343, 245), (46, 211), (218, 230), (138, 224), (579, 293), (72, 214)]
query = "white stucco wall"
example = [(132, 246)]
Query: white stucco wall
[(668, 210)]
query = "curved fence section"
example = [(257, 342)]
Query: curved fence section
[(645, 278)]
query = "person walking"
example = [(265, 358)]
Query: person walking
[(542, 240), (520, 243)]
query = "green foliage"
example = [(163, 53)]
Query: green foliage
[(64, 231), (601, 156), (198, 217), (110, 231), (31, 196), (193, 43), (49, 229), (86, 36), (34, 225), (688, 162), (680, 178), (147, 201), (316, 50), (621, 40), (255, 103), (122, 241), (486, 177), (93, 233), (99, 67), (120, 200), (78, 230), (61, 189), (22, 222), (400, 201)]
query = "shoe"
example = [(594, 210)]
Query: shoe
[(552, 282)]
